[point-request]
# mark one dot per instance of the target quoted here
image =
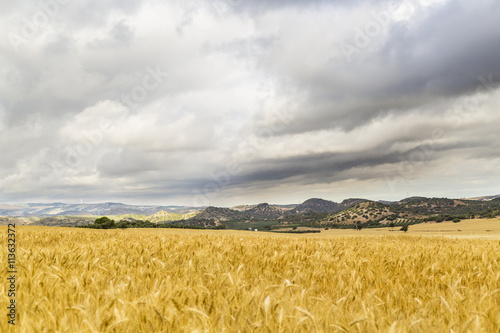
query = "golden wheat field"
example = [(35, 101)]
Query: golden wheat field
[(79, 280)]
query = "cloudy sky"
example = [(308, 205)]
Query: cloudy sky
[(224, 102)]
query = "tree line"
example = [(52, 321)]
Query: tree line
[(107, 223)]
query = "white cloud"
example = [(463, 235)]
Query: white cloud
[(231, 71)]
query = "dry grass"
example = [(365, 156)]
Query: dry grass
[(479, 228), (74, 280)]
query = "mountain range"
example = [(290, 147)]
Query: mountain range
[(315, 211), (98, 209), (486, 198)]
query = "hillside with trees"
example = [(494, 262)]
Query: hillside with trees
[(315, 213)]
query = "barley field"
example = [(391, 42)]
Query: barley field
[(77, 280)]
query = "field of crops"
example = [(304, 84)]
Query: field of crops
[(78, 280)]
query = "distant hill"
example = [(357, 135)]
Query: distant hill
[(434, 206), (365, 212), (251, 214), (220, 214), (243, 208), (163, 216), (101, 209), (486, 198), (411, 210), (348, 203), (313, 212), (265, 211), (315, 205)]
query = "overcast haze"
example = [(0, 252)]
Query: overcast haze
[(237, 101)]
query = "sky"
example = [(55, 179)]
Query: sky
[(227, 102)]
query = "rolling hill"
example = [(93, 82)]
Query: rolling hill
[(312, 212), (315, 205), (486, 198), (100, 209)]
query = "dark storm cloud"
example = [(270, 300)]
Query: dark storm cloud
[(315, 168), (438, 56)]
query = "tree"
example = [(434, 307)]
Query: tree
[(456, 220), (105, 223), (392, 224), (404, 228), (122, 224)]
